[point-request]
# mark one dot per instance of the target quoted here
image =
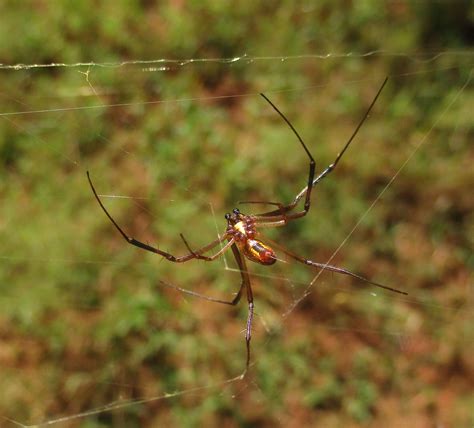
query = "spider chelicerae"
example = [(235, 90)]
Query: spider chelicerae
[(244, 239)]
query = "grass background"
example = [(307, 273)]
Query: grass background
[(83, 321)]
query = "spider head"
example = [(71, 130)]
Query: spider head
[(235, 217)]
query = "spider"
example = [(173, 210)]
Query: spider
[(246, 242)]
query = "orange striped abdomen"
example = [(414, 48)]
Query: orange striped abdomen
[(258, 252)]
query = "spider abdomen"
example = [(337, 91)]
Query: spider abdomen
[(259, 252)]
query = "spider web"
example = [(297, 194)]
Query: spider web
[(188, 203)]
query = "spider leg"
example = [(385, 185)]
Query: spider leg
[(199, 256), (278, 204), (325, 266), (306, 192), (232, 302), (312, 166), (245, 283), (146, 247), (272, 221)]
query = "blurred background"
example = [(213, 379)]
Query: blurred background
[(159, 101)]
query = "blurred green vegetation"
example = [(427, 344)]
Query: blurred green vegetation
[(83, 321)]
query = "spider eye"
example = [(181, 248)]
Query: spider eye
[(236, 211), (227, 216)]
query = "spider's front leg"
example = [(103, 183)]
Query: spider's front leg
[(146, 247), (283, 210)]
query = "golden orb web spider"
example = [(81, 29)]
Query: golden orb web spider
[(245, 241)]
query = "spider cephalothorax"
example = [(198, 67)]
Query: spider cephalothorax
[(244, 240), (242, 229), (240, 226)]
